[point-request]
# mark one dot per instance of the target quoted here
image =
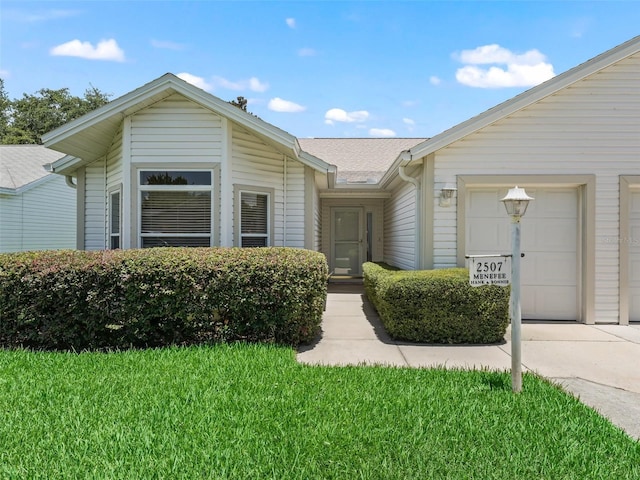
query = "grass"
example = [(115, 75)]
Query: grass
[(245, 411)]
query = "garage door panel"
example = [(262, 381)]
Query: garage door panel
[(485, 203), (488, 236), (554, 269), (549, 303), (549, 235)]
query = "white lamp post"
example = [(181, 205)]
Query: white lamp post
[(516, 202)]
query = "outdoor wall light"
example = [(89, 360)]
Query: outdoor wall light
[(446, 194)]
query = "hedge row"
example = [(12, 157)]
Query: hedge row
[(163, 296), (437, 306)]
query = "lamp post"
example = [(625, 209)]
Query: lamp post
[(516, 202)]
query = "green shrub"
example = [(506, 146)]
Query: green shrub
[(156, 297), (437, 306)]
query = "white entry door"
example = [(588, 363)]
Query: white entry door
[(347, 250), (549, 233), (634, 257)]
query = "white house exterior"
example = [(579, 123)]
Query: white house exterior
[(37, 208), (572, 142)]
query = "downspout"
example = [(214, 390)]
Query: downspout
[(284, 207), (406, 158), (69, 180)]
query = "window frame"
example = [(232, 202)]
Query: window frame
[(110, 233), (270, 194), (174, 188)]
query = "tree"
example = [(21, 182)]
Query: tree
[(26, 119), (5, 110)]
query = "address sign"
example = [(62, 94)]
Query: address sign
[(490, 270)]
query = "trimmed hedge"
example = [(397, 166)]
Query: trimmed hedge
[(437, 306), (118, 299)]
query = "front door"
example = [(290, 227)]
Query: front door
[(346, 241)]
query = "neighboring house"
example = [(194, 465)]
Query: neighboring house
[(169, 164), (37, 208)]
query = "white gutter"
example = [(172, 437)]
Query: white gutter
[(69, 180), (406, 158)]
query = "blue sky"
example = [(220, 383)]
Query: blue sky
[(314, 68)]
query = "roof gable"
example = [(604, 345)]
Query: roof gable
[(527, 98), (89, 137)]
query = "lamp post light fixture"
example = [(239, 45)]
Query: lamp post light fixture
[(516, 202)]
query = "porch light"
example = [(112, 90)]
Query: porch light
[(516, 202), (446, 194)]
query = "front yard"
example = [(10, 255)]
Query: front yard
[(246, 411)]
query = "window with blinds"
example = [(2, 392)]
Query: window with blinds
[(254, 219), (175, 208), (114, 220)]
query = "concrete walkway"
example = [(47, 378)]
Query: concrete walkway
[(599, 364)]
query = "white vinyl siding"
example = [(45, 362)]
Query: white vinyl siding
[(400, 223), (590, 127), (257, 164), (41, 217), (95, 207), (176, 130)]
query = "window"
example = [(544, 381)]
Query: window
[(254, 219), (114, 220), (175, 208)]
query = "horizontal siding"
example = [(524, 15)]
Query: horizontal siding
[(50, 208), (592, 127), (95, 207), (10, 223), (317, 219), (257, 164), (176, 130), (40, 218), (400, 249)]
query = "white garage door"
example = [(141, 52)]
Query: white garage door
[(634, 257), (549, 236)]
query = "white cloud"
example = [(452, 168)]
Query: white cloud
[(291, 22), (279, 105), (253, 84), (167, 45), (105, 50), (195, 80), (306, 52), (339, 115), (382, 132), (433, 80), (521, 70), (408, 121), (5, 74), (24, 16)]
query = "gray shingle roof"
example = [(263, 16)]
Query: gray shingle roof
[(21, 165), (359, 160)]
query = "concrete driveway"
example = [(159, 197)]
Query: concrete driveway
[(599, 364)]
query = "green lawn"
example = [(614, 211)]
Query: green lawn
[(253, 412)]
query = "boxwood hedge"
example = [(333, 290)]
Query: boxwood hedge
[(162, 296), (436, 306)]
